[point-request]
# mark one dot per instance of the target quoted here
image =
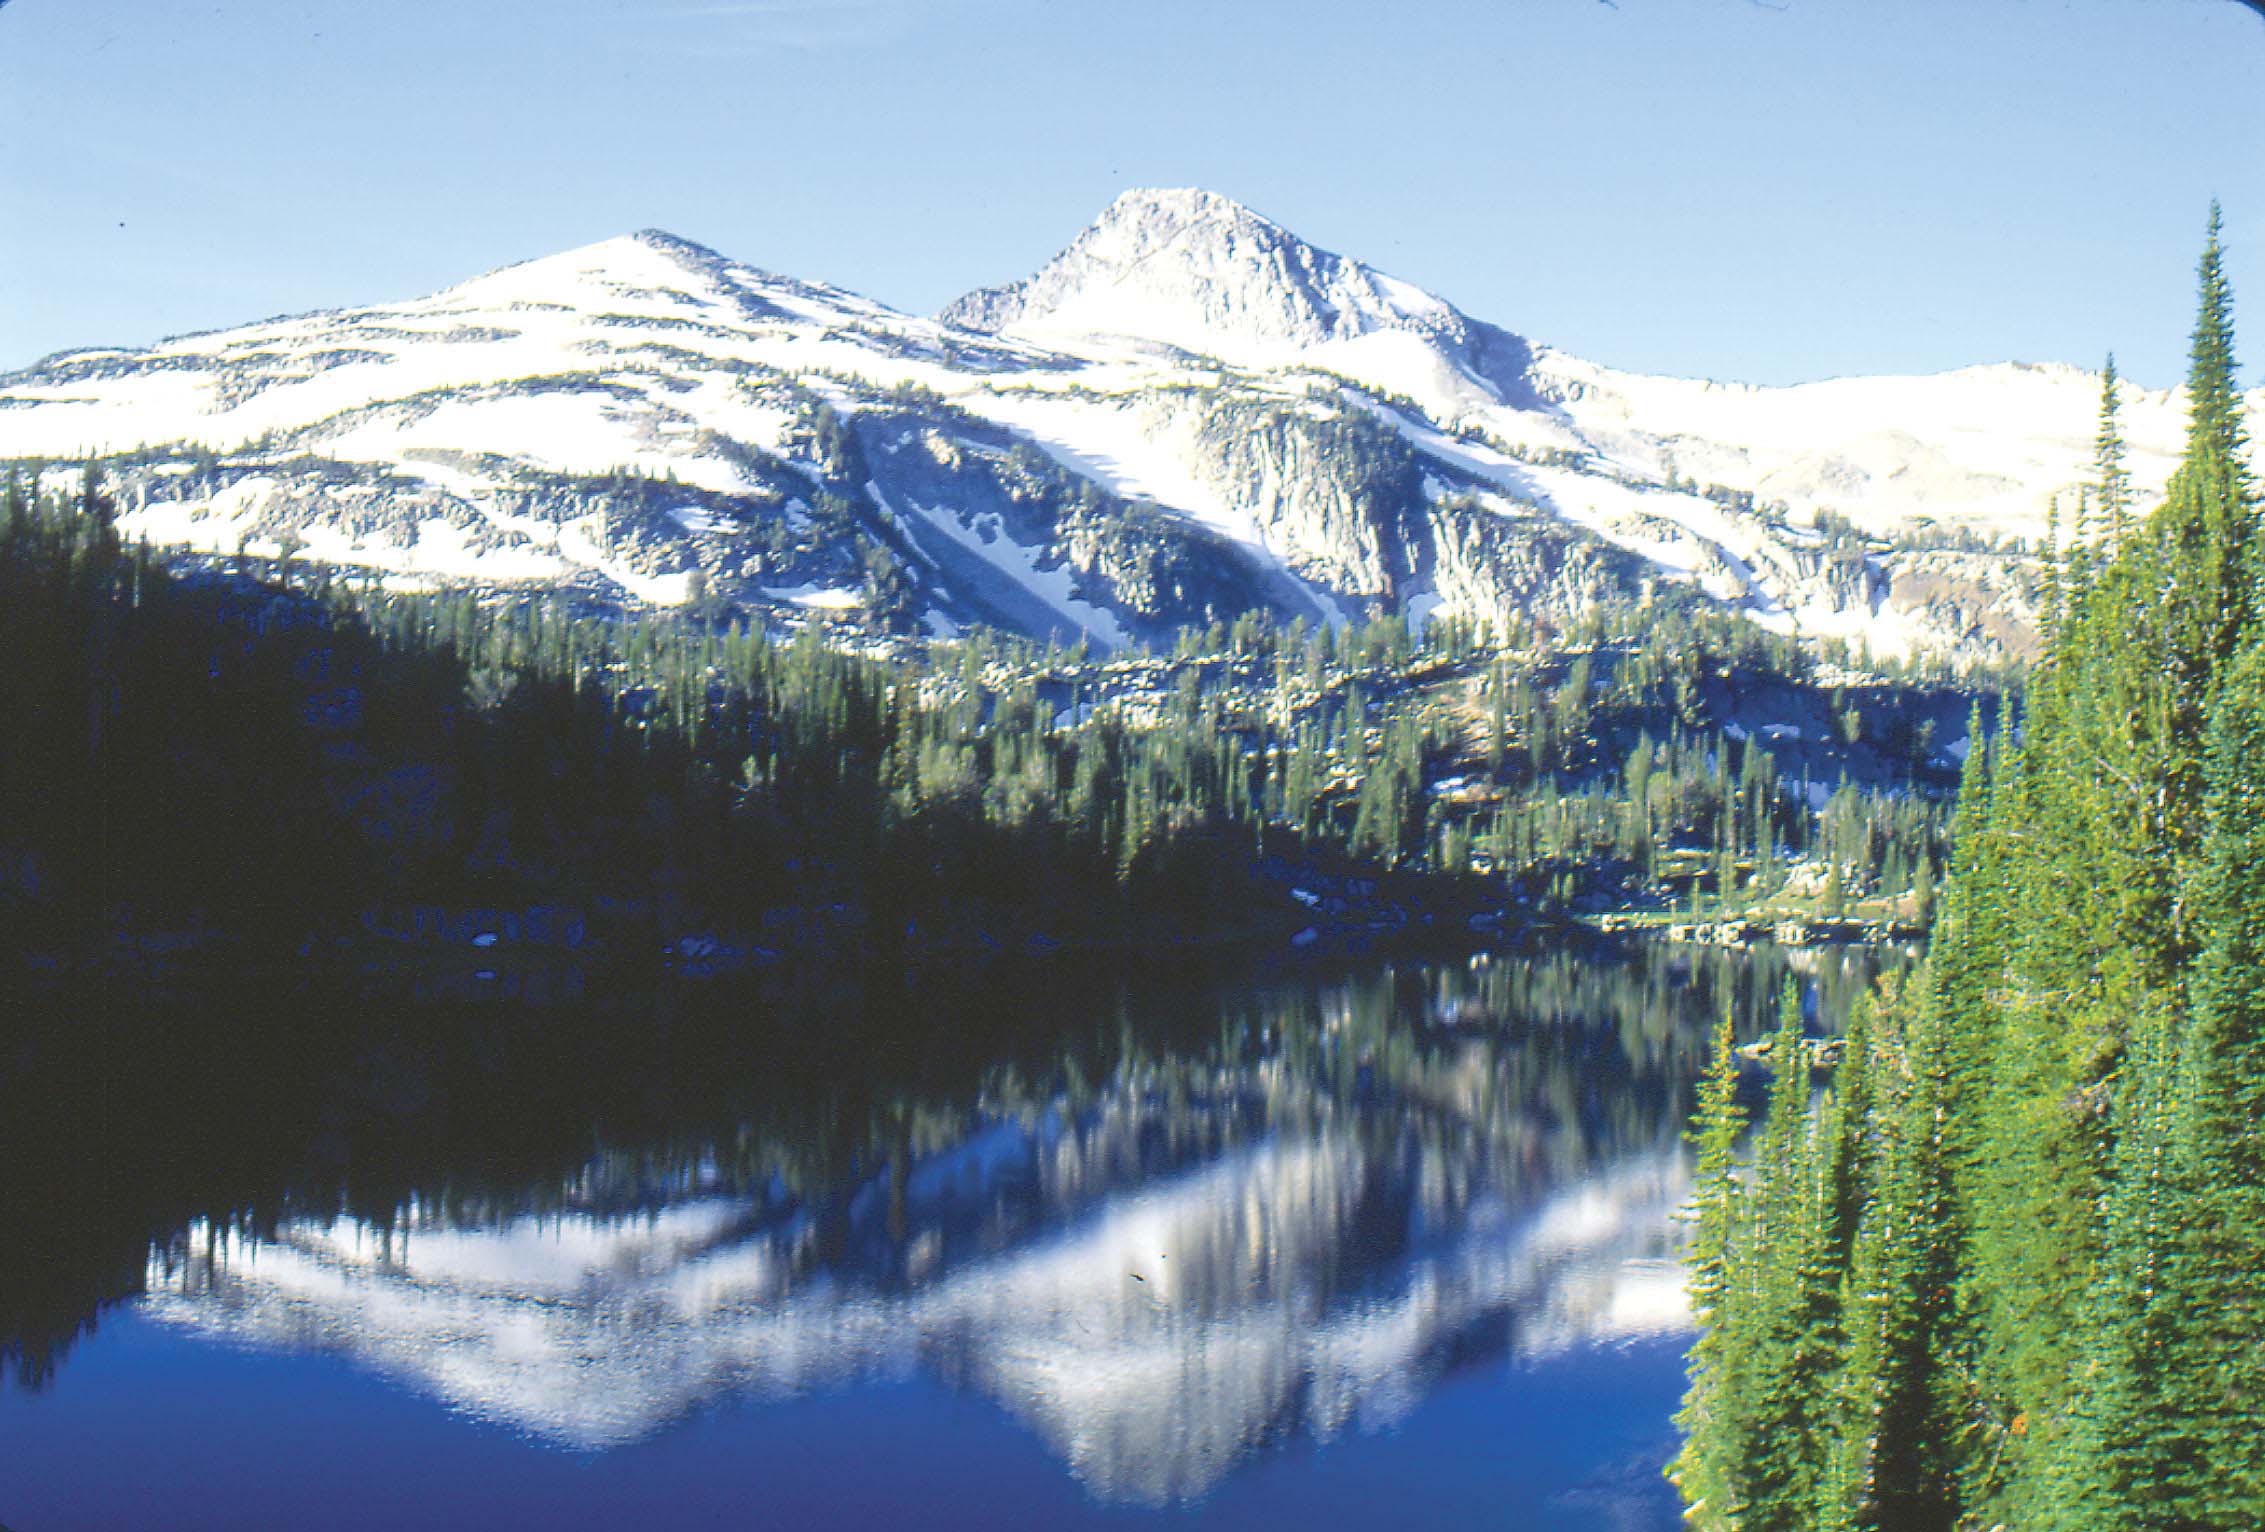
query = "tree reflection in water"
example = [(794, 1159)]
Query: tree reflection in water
[(1161, 1224)]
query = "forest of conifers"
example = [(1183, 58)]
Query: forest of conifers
[(258, 751), (2009, 1269)]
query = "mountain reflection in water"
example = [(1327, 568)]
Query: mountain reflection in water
[(1285, 1209)]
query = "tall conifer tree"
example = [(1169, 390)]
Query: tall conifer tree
[(2111, 480), (1714, 1418), (2052, 1309), (2216, 1284)]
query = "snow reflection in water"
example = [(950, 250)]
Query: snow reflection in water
[(1155, 1285)]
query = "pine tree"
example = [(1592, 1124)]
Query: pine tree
[(2111, 480), (2054, 576), (1714, 1418), (1915, 1432), (2125, 1459), (2206, 530), (1791, 1336), (2216, 1287), (2052, 1307)]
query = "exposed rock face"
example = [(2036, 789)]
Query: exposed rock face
[(1983, 604), (1188, 413)]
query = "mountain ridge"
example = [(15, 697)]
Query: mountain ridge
[(1186, 412)]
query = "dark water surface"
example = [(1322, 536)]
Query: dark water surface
[(1381, 1247)]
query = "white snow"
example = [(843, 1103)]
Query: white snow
[(829, 598), (634, 352), (1110, 442), (1056, 587), (692, 519)]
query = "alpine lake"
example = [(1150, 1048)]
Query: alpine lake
[(1361, 1244)]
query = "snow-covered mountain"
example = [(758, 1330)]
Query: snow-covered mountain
[(1193, 271), (1188, 413)]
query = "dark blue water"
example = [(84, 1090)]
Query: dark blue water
[(1385, 1249), (154, 1429)]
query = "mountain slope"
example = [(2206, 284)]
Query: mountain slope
[(1187, 414)]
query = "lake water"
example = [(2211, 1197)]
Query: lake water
[(1391, 1246)]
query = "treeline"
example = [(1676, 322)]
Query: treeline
[(1605, 758), (204, 750), (1005, 772), (2010, 1269), (207, 749), (267, 748)]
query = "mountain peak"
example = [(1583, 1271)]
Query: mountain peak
[(641, 269), (1181, 204), (1199, 271), (675, 244)]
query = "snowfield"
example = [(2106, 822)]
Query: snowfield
[(1223, 415)]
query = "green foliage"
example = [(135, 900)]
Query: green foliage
[(2214, 1291), (2111, 487), (685, 768), (1715, 1422), (2052, 1308)]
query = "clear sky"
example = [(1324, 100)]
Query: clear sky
[(1767, 190)]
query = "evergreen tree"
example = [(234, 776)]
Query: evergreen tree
[(1907, 1274), (2125, 1460), (1789, 1336), (2206, 532), (2215, 1292), (2111, 480), (1714, 1419), (2052, 1308)]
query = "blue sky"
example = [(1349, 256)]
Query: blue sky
[(1724, 188)]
